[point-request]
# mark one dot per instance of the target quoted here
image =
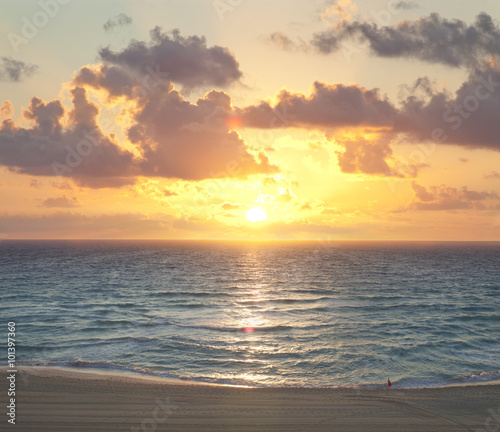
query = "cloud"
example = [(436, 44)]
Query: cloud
[(232, 206), (15, 70), (341, 11), (373, 156), (431, 39), (469, 118), (448, 198), (168, 193), (331, 211), (167, 57), (80, 151), (120, 20), (364, 156), (405, 5), (170, 133), (7, 109), (328, 105), (285, 196), (173, 137), (331, 107), (281, 40), (191, 141), (494, 175), (74, 225), (61, 202), (62, 185)]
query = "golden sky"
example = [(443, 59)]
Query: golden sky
[(321, 120)]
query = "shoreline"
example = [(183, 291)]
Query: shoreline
[(61, 399), (189, 381)]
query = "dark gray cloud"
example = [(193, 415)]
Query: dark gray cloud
[(120, 20), (470, 117), (173, 137), (405, 5), (432, 39), (328, 105), (281, 40), (333, 107), (167, 57), (15, 70), (80, 151), (326, 42)]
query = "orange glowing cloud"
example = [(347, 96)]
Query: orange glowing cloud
[(233, 122)]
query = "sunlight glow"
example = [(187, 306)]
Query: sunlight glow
[(256, 214)]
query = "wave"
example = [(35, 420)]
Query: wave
[(469, 379), (112, 322), (89, 343), (474, 378), (190, 305), (237, 329), (284, 301), (478, 318), (312, 291), (212, 328), (77, 305), (190, 294)]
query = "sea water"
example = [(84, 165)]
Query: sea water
[(260, 314)]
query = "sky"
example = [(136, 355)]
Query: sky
[(250, 120)]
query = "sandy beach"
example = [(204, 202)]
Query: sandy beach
[(56, 399)]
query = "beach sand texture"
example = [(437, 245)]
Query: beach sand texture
[(54, 399)]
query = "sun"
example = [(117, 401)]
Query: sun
[(256, 214)]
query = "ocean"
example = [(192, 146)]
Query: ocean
[(260, 314)]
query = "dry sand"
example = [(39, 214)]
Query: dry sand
[(56, 399)]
